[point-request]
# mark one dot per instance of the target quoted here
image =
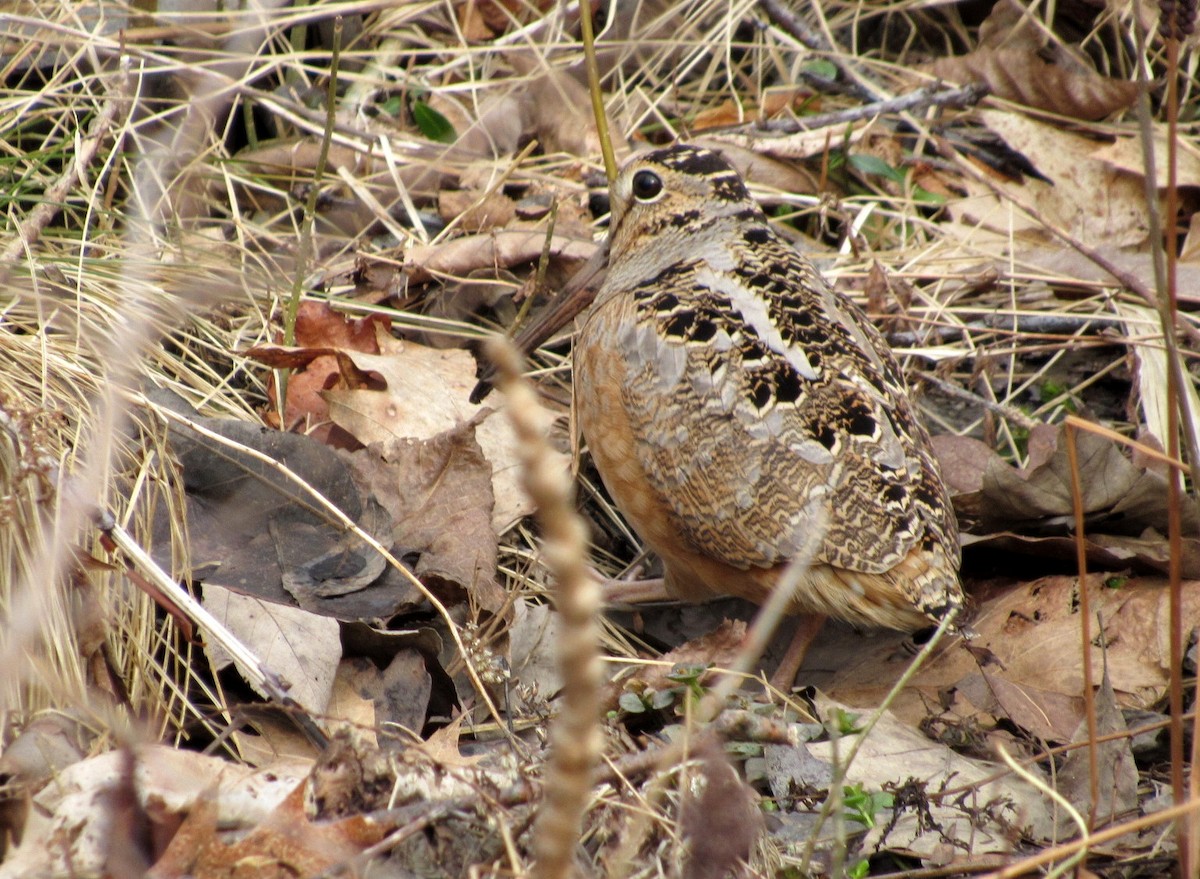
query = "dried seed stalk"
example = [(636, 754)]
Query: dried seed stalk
[(575, 741)]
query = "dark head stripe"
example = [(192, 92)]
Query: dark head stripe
[(691, 160), (699, 162)]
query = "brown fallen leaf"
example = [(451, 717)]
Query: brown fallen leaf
[(321, 327), (287, 844), (1019, 75), (1117, 775), (1034, 630), (442, 746), (476, 211), (438, 493), (426, 393), (1100, 206), (722, 823), (1131, 498)]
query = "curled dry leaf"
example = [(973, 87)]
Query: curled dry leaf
[(462, 256), (1033, 629), (774, 103), (1019, 75), (427, 393)]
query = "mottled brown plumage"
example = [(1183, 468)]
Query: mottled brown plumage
[(732, 402)]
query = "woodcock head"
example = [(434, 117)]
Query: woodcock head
[(680, 197)]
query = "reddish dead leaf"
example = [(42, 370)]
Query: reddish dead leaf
[(320, 330), (284, 846), (484, 19), (1019, 75), (774, 103)]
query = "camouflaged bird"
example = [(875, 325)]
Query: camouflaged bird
[(733, 403)]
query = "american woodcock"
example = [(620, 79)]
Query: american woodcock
[(733, 403)]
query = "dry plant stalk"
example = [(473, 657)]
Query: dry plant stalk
[(575, 740)]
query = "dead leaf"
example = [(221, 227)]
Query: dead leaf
[(438, 493), (285, 845), (559, 111), (1126, 154), (319, 326), (717, 649), (1049, 716), (1100, 206), (722, 824), (427, 393), (1117, 775), (301, 647), (1019, 75), (255, 530), (775, 102), (1132, 498), (533, 637), (1034, 630), (963, 461), (476, 211), (68, 830), (894, 753), (442, 746)]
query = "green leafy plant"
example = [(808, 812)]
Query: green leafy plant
[(847, 722), (862, 805), (431, 123)]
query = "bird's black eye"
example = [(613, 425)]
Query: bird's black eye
[(646, 185)]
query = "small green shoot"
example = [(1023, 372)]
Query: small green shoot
[(860, 870), (862, 806), (847, 723)]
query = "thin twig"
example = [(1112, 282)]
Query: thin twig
[(935, 95), (1085, 628), (796, 27)]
